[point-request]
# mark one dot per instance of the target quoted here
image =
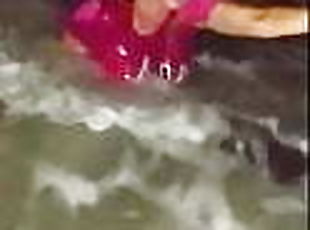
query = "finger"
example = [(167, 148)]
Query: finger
[(149, 14), (240, 20)]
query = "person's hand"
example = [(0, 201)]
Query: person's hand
[(223, 16), (238, 20), (149, 14)]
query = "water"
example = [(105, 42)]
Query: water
[(75, 158), (78, 156)]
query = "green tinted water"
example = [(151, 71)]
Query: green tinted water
[(66, 177)]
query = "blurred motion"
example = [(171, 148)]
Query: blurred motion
[(225, 149)]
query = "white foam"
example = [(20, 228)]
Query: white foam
[(172, 128), (72, 188), (36, 93), (203, 206), (283, 205), (11, 68)]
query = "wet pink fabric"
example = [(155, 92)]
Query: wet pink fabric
[(104, 29)]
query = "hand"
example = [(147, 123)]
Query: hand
[(238, 20), (149, 14), (225, 17)]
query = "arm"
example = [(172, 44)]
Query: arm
[(225, 17), (238, 20)]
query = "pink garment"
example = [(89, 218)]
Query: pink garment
[(104, 29)]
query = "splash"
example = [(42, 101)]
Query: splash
[(104, 30)]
